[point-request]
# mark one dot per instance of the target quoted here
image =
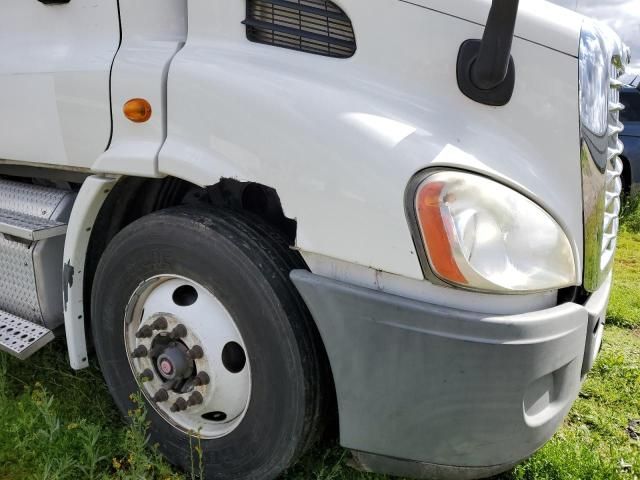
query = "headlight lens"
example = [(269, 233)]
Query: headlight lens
[(594, 80), (481, 235)]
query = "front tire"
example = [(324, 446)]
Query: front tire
[(144, 288)]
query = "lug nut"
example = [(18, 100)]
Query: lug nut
[(139, 352), (147, 375), (161, 396), (180, 331), (202, 378), (144, 332), (179, 405), (160, 323), (195, 353), (195, 399)]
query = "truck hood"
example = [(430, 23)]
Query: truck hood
[(539, 21)]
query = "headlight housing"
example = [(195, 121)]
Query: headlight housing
[(481, 235), (594, 80)]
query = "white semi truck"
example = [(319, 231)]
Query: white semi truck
[(266, 215)]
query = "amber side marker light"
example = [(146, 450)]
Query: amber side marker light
[(436, 240), (137, 110)]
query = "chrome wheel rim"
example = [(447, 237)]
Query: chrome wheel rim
[(187, 356)]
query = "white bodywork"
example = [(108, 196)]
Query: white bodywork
[(152, 32), (339, 139), (54, 80)]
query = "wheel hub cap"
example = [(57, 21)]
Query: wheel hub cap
[(188, 356), (173, 363)]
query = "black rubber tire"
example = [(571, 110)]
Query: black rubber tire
[(247, 265)]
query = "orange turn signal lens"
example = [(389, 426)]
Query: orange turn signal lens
[(138, 110), (434, 233)]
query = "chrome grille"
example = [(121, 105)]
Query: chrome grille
[(601, 164), (613, 182)]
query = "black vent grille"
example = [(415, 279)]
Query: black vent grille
[(312, 26)]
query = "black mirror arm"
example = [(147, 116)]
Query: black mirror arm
[(486, 72), (492, 63)]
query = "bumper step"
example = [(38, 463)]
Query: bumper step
[(29, 227), (22, 338)]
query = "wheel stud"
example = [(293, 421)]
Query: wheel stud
[(160, 323), (202, 378), (139, 352), (147, 375), (180, 331), (196, 352), (179, 405), (161, 396), (195, 399), (144, 332)]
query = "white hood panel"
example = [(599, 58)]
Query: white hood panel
[(538, 20)]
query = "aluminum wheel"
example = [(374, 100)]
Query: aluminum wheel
[(188, 356)]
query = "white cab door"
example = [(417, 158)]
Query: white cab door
[(55, 64)]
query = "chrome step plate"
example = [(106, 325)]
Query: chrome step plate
[(22, 338), (33, 222), (29, 227)]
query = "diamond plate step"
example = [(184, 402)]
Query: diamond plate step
[(28, 227), (21, 338)]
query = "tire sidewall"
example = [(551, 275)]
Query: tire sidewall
[(268, 438)]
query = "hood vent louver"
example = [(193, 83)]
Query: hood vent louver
[(314, 26)]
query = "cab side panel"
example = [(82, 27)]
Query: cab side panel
[(54, 80), (340, 139), (152, 32)]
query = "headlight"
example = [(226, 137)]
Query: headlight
[(594, 80), (482, 235)]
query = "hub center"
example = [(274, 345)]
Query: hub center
[(174, 363)]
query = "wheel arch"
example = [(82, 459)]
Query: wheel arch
[(106, 205)]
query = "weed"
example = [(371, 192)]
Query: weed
[(624, 305), (630, 215), (90, 436), (197, 450), (141, 461)]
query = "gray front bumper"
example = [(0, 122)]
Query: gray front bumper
[(449, 388)]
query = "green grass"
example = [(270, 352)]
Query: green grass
[(630, 215), (624, 306), (594, 442), (59, 424)]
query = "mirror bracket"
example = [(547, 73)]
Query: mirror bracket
[(496, 96), (486, 72)]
